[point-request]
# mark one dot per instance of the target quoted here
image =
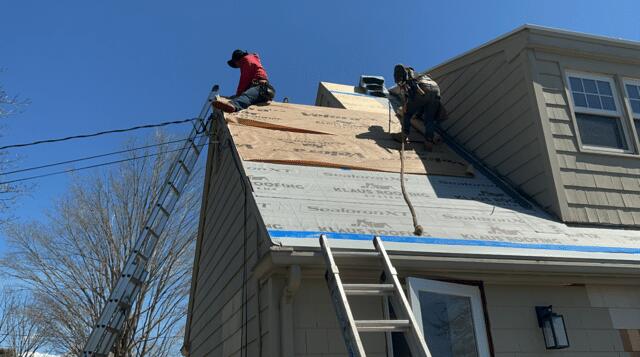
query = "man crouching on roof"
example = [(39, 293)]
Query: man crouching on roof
[(253, 88), (420, 96)]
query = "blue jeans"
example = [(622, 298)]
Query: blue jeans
[(427, 106), (253, 95)]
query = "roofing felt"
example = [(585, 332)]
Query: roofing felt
[(460, 215), (300, 198)]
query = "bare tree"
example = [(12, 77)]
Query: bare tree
[(22, 329), (74, 259), (9, 192), (5, 303)]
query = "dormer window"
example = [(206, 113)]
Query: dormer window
[(598, 113), (633, 93)]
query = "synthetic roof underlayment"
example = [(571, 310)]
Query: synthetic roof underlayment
[(300, 161)]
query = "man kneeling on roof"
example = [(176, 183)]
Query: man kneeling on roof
[(253, 88), (420, 96)]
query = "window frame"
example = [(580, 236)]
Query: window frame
[(634, 82), (473, 292), (619, 113)]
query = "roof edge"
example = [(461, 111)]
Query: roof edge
[(542, 30)]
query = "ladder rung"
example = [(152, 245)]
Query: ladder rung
[(153, 233), (383, 325), (195, 148), (124, 305), (174, 188), (110, 329), (355, 254), (184, 167), (163, 210), (140, 255), (368, 289)]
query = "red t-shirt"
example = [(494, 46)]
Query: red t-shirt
[(250, 69)]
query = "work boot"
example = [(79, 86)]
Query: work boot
[(400, 137), (224, 104)]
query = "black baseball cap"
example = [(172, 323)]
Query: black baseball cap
[(236, 55)]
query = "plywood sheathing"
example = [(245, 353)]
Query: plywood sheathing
[(328, 137)]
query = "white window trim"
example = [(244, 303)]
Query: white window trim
[(472, 292), (616, 115), (635, 82)]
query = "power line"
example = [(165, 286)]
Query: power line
[(91, 157), (146, 126), (90, 166)]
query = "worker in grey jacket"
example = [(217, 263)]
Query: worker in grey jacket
[(420, 96)]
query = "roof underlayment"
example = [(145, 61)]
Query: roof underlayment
[(304, 187)]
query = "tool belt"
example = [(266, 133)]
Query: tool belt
[(267, 92)]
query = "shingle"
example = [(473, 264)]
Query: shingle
[(615, 199), (558, 113), (565, 144), (626, 217), (604, 181), (561, 128), (576, 196), (570, 161), (630, 183), (569, 178), (631, 200), (592, 215), (585, 180), (617, 182), (597, 198)]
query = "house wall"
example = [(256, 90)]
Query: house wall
[(225, 299), (601, 320), (493, 115), (596, 187)]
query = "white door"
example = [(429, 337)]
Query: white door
[(451, 317)]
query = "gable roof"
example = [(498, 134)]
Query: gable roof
[(462, 215)]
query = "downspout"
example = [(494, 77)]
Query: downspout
[(287, 340)]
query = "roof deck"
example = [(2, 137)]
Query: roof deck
[(307, 181)]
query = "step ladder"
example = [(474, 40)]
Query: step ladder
[(389, 286), (116, 311)]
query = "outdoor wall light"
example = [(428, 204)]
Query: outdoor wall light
[(553, 329)]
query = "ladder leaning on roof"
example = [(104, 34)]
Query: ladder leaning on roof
[(116, 311), (390, 286)]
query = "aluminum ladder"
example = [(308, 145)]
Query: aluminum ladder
[(118, 307), (389, 286)]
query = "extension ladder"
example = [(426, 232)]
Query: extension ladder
[(389, 286), (116, 311)]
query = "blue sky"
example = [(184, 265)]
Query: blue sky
[(88, 66)]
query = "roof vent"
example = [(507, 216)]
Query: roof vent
[(373, 85)]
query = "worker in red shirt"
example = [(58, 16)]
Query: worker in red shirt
[(253, 87)]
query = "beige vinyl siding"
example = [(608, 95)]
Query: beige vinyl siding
[(316, 329), (221, 323), (598, 188), (596, 318), (492, 115)]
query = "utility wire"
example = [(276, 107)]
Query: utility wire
[(90, 166), (146, 126), (91, 157)]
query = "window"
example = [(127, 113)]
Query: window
[(598, 113), (451, 317), (633, 93)]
